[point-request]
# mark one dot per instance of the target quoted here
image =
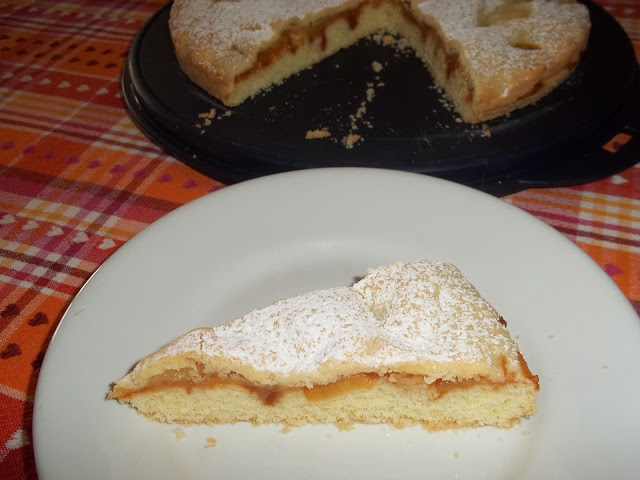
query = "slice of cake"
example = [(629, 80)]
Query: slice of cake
[(489, 56), (410, 343)]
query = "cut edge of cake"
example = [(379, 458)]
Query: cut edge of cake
[(531, 46)]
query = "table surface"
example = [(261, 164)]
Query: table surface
[(78, 179)]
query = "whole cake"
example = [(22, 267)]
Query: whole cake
[(410, 343), (489, 56)]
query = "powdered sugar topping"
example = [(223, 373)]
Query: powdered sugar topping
[(244, 23), (406, 312), (498, 35)]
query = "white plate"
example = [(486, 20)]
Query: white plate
[(249, 244)]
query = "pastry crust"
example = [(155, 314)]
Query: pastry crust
[(489, 56), (411, 343)]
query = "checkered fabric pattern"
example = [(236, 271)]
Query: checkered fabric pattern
[(78, 179)]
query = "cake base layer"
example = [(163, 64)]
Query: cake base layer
[(379, 401)]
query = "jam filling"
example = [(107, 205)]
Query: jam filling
[(296, 37), (292, 39), (269, 395)]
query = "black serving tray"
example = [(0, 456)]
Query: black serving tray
[(407, 126)]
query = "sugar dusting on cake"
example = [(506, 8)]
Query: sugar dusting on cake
[(498, 35), (406, 312), (243, 24)]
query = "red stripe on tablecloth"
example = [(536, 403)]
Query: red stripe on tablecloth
[(96, 19), (53, 267), (14, 426), (127, 196), (577, 233), (41, 84), (22, 22), (555, 218), (84, 133)]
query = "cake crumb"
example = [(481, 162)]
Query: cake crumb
[(211, 442), (377, 66), (179, 433), (318, 133), (485, 130), (456, 454), (350, 140), (345, 426), (388, 39), (209, 115), (370, 94)]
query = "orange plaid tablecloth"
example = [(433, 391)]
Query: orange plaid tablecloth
[(78, 179)]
